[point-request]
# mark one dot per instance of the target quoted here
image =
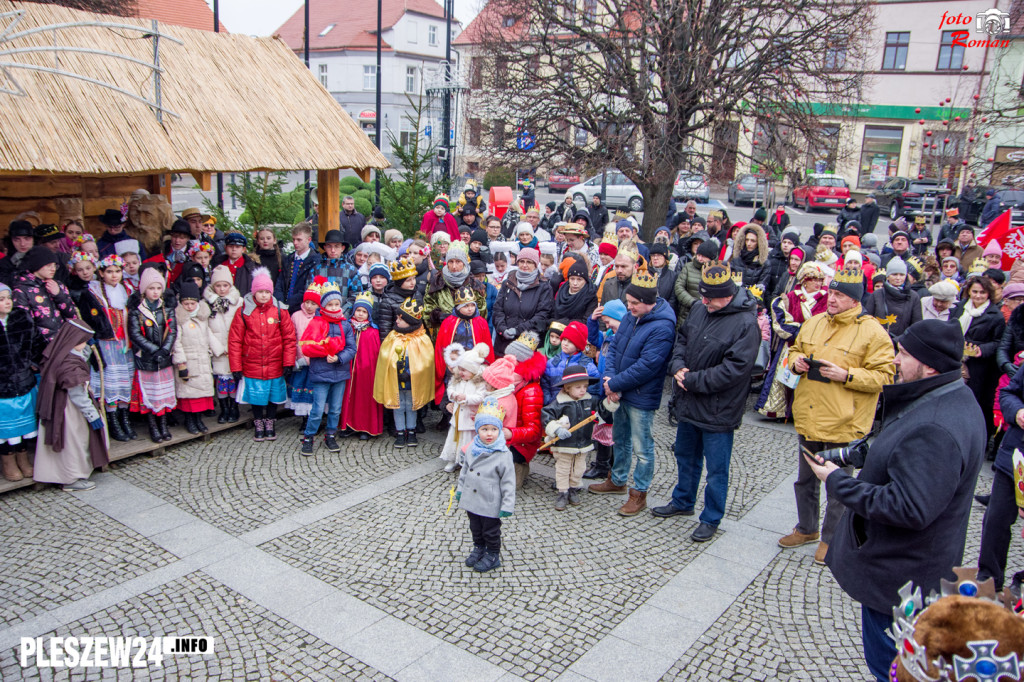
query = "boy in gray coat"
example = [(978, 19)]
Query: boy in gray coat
[(488, 480)]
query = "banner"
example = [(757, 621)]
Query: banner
[(1010, 238)]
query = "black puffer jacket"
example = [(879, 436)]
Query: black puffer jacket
[(569, 307), (21, 347), (152, 333), (386, 310), (719, 349), (774, 270), (1012, 342), (528, 310)]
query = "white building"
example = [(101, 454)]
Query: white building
[(343, 54)]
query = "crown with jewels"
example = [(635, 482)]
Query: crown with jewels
[(717, 215), (491, 408), (737, 276), (464, 295), (715, 273), (978, 267), (365, 297), (412, 308), (849, 276), (402, 268), (983, 665), (529, 339), (644, 279), (329, 288), (757, 291)]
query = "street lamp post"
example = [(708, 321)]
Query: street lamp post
[(377, 174), (305, 56)]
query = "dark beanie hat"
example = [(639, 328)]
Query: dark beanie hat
[(658, 248), (577, 269), (849, 282), (188, 290), (935, 343), (478, 235), (38, 257), (760, 214), (708, 249), (477, 267), (551, 205), (997, 276)]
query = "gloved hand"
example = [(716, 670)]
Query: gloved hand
[(237, 376), (288, 372), (563, 433), (504, 514), (183, 373), (510, 333), (96, 424), (159, 355), (458, 495)]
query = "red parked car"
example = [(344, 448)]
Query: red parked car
[(821, 191), (561, 179)]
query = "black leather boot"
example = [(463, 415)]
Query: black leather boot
[(233, 405), (126, 423), (225, 411), (154, 428), (190, 423), (114, 428), (165, 432), (199, 423)]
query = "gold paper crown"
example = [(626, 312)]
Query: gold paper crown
[(365, 297), (978, 266), (718, 215), (328, 288), (464, 295), (610, 238), (915, 263), (629, 249), (715, 273), (879, 272), (622, 214), (528, 339), (920, 220), (849, 276), (491, 408), (644, 279), (737, 276), (402, 268), (556, 327), (831, 228), (757, 292), (412, 308)]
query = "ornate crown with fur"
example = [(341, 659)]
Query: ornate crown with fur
[(715, 273)]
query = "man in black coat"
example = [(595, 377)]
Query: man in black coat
[(868, 214), (352, 221), (712, 362), (906, 514), (598, 216)]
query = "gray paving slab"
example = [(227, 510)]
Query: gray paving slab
[(389, 645), (616, 659)]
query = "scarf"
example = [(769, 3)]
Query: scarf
[(808, 301), (477, 447), (116, 296), (455, 279), (332, 316), (360, 326), (971, 313), (525, 280), (221, 305), (749, 258)]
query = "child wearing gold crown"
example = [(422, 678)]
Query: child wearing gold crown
[(487, 487), (360, 413), (330, 345), (300, 389), (404, 380)]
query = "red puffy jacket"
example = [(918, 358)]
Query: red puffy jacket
[(528, 434), (261, 341)]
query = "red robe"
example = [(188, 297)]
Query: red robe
[(481, 334), (359, 411)]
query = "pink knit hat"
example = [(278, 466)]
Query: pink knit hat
[(500, 374), (261, 280), (529, 254), (993, 249), (149, 277), (222, 273)]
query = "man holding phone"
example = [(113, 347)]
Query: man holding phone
[(844, 358)]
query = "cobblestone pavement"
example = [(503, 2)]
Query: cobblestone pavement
[(348, 566)]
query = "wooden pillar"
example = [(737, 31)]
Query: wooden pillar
[(328, 193)]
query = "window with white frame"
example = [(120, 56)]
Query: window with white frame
[(412, 28), (410, 79), (432, 36), (369, 76), (323, 75)]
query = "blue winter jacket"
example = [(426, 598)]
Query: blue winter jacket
[(639, 354), (556, 367), (323, 372)]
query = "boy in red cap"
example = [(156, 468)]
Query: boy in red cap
[(574, 341)]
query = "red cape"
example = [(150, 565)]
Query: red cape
[(481, 334), (360, 412)]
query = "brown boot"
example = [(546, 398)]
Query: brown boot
[(636, 503), (796, 539), (24, 463), (522, 471), (606, 487), (11, 471), (819, 554)]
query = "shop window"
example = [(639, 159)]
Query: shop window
[(879, 155)]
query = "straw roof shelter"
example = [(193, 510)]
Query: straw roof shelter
[(227, 103)]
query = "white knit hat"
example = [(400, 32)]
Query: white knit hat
[(474, 359)]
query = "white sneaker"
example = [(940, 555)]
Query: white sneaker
[(79, 485), (451, 466)]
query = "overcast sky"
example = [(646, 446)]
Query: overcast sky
[(263, 17)]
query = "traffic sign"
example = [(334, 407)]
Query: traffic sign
[(525, 141), (426, 131)]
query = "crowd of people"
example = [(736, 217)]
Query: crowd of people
[(549, 327)]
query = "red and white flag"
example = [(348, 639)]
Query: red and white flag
[(1009, 237)]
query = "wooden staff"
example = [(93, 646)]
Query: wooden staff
[(548, 443)]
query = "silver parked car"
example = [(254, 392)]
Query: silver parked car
[(749, 189), (620, 192), (690, 185)]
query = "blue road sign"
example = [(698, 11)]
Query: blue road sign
[(426, 131), (525, 141)]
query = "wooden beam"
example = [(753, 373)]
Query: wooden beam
[(363, 173), (203, 180), (328, 193)]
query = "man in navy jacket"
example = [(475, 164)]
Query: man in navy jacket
[(634, 378)]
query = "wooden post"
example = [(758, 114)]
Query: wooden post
[(328, 192)]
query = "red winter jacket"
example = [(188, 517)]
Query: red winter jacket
[(528, 434), (267, 335)]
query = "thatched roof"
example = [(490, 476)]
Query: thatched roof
[(244, 104)]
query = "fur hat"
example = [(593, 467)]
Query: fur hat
[(453, 352), (473, 359), (500, 373), (261, 281)]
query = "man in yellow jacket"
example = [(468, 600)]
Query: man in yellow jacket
[(844, 359)]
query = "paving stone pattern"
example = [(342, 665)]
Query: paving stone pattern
[(55, 548), (251, 642)]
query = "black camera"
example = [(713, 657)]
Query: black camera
[(852, 455)]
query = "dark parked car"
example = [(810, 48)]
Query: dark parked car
[(1008, 197), (904, 196), (750, 189)]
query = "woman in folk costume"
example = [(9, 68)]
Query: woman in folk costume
[(788, 313), (193, 383), (466, 389), (464, 327), (360, 412), (224, 301), (404, 380), (73, 441), (21, 347), (102, 306), (152, 331)]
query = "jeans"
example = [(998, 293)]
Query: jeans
[(405, 416), (808, 491), (879, 649), (327, 396), (1000, 515), (486, 531), (694, 447), (632, 433)]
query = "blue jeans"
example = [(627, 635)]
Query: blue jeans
[(694, 447), (328, 396), (632, 433), (879, 649), (405, 416)]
